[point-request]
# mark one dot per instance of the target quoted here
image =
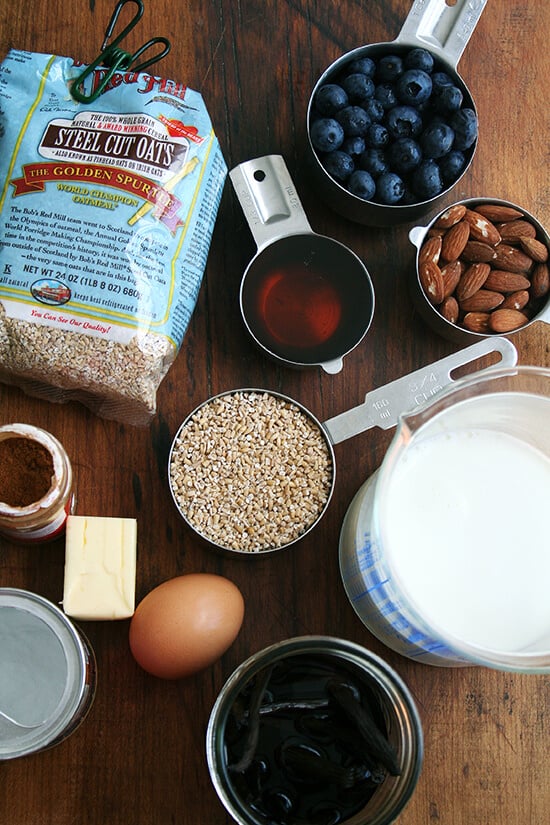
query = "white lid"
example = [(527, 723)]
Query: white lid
[(43, 678)]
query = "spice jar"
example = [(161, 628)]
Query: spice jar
[(36, 484)]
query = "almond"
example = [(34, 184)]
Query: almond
[(451, 273), (540, 281), (497, 212), (482, 262), (472, 280), (475, 251), (516, 300), (432, 281), (481, 229), (484, 300), (430, 250), (506, 320), (477, 322), (510, 258), (502, 281), (535, 249), (453, 215), (449, 309), (514, 231), (455, 240)]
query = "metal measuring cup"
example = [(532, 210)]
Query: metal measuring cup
[(306, 299), (442, 28), (430, 313), (381, 408)]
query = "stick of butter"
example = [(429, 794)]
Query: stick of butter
[(100, 567)]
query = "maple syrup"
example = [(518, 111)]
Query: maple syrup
[(307, 299)]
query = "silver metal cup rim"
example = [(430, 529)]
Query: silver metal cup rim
[(305, 411)]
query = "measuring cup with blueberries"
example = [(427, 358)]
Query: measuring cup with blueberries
[(392, 127)]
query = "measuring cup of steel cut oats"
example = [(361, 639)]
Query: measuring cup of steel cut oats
[(252, 471)]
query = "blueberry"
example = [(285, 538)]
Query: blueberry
[(419, 59), (390, 188), (426, 180), (464, 124), (439, 81), (374, 109), (358, 87), (374, 161), (354, 146), (436, 140), (326, 134), (339, 165), (353, 120), (377, 135), (330, 98), (451, 166), (449, 100), (414, 87), (362, 184), (404, 121), (405, 155), (408, 197), (385, 94), (389, 68), (397, 123), (364, 65)]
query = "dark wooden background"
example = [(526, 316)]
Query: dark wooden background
[(139, 759)]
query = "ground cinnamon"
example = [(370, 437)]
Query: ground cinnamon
[(26, 470)]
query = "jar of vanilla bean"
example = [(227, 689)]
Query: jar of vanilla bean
[(36, 484), (314, 729)]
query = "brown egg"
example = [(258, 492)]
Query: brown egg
[(185, 624)]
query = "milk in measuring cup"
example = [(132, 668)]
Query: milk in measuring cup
[(465, 516), (444, 550)]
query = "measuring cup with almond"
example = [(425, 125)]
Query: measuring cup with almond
[(481, 270)]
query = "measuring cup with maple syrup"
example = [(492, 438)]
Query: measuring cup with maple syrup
[(306, 299)]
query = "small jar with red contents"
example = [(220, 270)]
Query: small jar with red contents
[(36, 484)]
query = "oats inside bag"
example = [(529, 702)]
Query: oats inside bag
[(106, 215)]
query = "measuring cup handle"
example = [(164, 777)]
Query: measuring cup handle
[(268, 199), (441, 27), (383, 406)]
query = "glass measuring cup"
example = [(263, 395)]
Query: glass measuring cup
[(306, 299), (444, 550)]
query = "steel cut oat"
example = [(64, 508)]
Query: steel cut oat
[(106, 216)]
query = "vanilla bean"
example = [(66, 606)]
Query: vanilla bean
[(253, 733), (291, 706), (309, 765), (375, 741)]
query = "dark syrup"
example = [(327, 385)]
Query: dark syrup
[(295, 756), (304, 304)]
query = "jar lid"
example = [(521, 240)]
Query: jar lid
[(45, 673)]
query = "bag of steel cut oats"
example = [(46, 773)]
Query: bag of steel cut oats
[(106, 215)]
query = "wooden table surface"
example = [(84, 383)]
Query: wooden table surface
[(139, 758)]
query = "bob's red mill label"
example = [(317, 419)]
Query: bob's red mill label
[(106, 216)]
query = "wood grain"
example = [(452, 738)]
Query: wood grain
[(139, 757)]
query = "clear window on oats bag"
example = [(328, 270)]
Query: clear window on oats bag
[(106, 216)]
